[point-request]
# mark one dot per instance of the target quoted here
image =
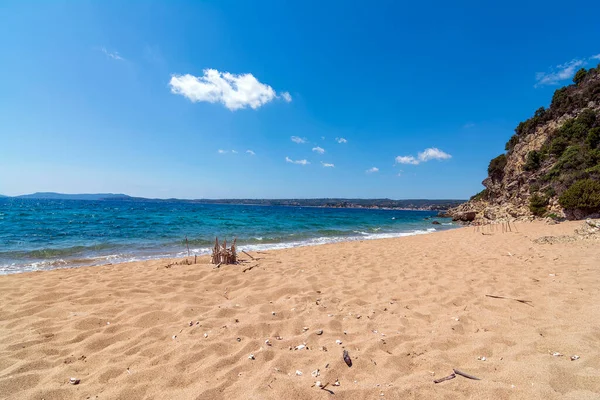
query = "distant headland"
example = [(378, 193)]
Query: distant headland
[(408, 204)]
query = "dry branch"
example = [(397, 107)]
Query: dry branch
[(244, 251), (457, 372), (446, 378), (511, 298)]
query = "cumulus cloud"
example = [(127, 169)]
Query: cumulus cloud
[(297, 139), (300, 162), (251, 152), (559, 73), (372, 170), (406, 160), (431, 153), (596, 57), (221, 151), (318, 149), (114, 55), (341, 140), (327, 165), (233, 91)]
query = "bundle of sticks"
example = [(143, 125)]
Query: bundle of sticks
[(222, 255)]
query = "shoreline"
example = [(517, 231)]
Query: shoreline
[(408, 310), (81, 262)]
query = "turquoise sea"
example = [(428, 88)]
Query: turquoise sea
[(46, 234)]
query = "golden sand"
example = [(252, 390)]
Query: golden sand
[(407, 310)]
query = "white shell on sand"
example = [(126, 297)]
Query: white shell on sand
[(318, 384), (300, 347), (575, 357), (338, 341), (251, 356), (74, 381), (298, 372), (316, 373)]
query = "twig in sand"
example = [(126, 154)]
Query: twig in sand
[(249, 268), (187, 245), (457, 372), (218, 265), (244, 251), (446, 378), (510, 298)]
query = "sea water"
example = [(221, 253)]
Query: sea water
[(46, 234)]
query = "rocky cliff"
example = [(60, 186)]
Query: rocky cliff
[(551, 167)]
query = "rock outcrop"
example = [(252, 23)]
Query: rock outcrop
[(548, 154)]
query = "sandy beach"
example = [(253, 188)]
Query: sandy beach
[(407, 310)]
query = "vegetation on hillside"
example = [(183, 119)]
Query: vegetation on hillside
[(568, 163)]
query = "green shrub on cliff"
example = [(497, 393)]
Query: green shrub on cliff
[(534, 160), (496, 167), (538, 205), (593, 138), (582, 195), (579, 76)]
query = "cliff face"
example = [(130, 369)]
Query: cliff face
[(551, 167)]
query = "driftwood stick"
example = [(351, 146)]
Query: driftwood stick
[(249, 268), (244, 251), (457, 372), (511, 298), (187, 245), (218, 265), (446, 378)]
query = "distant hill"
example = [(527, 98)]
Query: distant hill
[(551, 167), (415, 204), (62, 196)]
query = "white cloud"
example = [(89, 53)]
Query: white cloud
[(406, 160), (341, 140), (300, 162), (251, 152), (327, 165), (469, 125), (322, 137), (286, 96), (400, 173), (318, 149), (233, 91), (372, 170), (114, 56), (431, 153), (559, 73), (596, 57), (297, 139), (234, 151), (220, 151)]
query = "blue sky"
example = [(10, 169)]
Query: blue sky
[(139, 97)]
